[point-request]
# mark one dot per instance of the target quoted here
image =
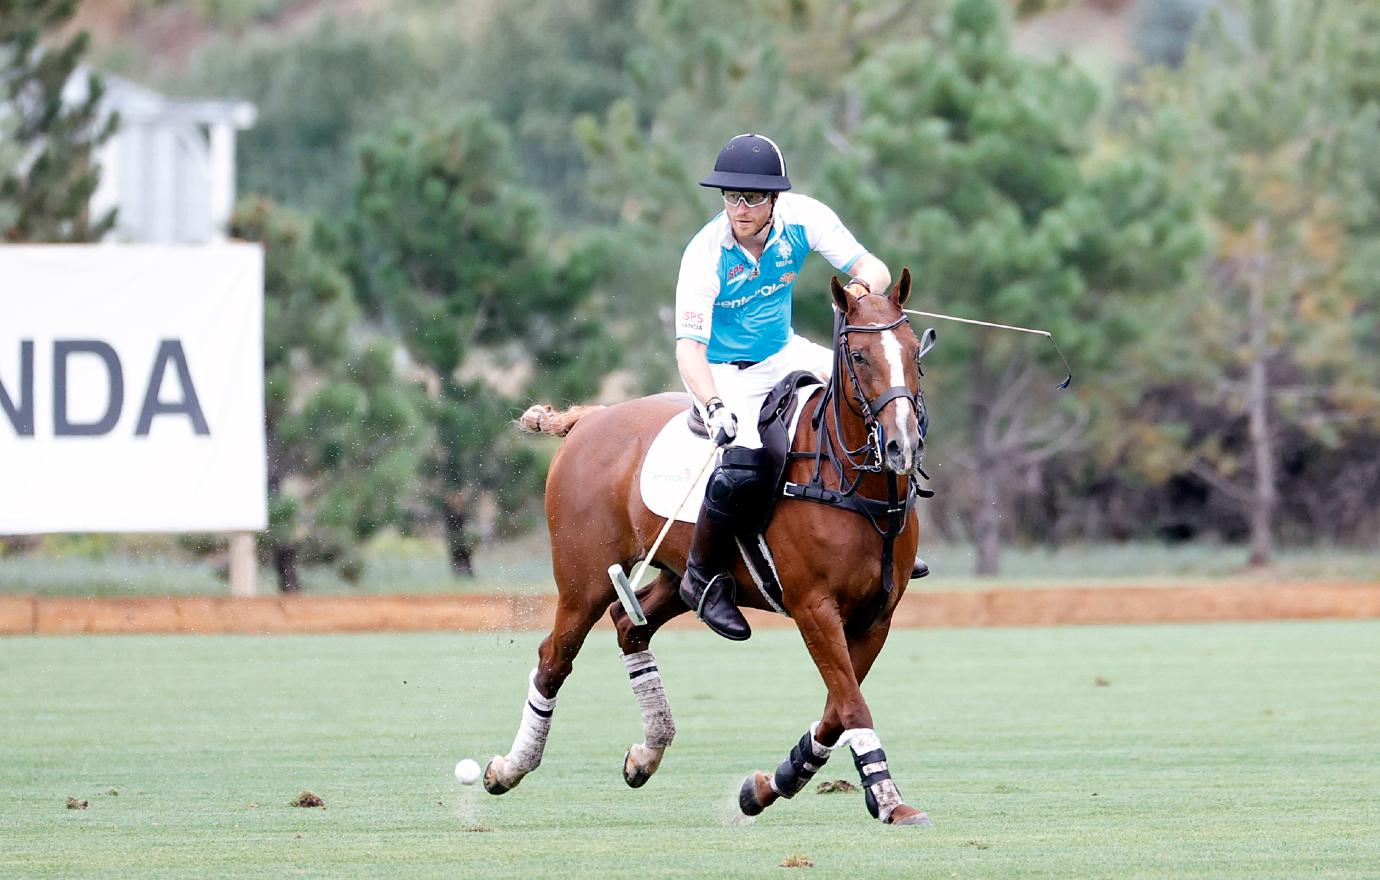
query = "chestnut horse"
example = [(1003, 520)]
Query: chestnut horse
[(832, 576)]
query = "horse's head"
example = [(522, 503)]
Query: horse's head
[(877, 367)]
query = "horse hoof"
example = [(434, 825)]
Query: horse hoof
[(908, 815), (633, 775), (756, 794), (491, 783)]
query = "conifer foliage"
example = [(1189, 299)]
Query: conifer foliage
[(974, 166), (454, 257), (46, 187), (346, 434)]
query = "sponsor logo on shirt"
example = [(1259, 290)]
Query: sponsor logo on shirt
[(736, 271), (764, 291), (783, 253), (692, 320)]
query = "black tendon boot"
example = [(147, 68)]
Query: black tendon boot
[(707, 587)]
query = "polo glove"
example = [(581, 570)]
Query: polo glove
[(721, 424)]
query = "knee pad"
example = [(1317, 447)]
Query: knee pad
[(739, 493)]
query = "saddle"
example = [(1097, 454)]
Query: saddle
[(775, 424)]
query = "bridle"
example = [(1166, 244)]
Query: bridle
[(888, 517), (870, 410)]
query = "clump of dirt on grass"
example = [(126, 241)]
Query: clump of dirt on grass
[(977, 844), (74, 804), (839, 785), (307, 799), (1102, 682), (797, 862), (478, 828)]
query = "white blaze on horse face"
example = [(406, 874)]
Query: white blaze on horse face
[(909, 441)]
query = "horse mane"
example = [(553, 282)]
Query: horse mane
[(541, 418)]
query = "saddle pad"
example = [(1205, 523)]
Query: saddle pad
[(676, 456), (671, 463)]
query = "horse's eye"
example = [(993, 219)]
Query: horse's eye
[(858, 358)]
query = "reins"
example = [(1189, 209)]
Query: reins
[(864, 460)]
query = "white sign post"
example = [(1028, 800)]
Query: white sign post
[(131, 389)]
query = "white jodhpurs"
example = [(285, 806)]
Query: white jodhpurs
[(743, 390)]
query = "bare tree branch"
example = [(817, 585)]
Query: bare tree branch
[(1070, 436), (1220, 483)]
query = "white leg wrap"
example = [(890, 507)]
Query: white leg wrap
[(871, 763), (530, 742), (820, 749), (658, 727)]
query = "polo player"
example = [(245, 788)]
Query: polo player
[(734, 342)]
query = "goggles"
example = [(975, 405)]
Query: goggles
[(749, 199)]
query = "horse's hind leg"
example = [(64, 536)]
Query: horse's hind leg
[(579, 606), (660, 603)]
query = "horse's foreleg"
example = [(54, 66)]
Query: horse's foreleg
[(661, 604), (879, 789), (847, 721), (822, 629), (809, 755), (761, 790), (882, 797), (574, 617)]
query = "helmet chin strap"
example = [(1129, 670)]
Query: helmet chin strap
[(770, 216)]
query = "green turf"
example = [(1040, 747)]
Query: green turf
[(150, 565), (1245, 750)]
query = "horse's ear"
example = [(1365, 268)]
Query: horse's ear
[(840, 297), (901, 292)]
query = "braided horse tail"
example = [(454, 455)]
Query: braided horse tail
[(540, 418)]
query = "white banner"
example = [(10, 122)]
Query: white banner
[(131, 389)]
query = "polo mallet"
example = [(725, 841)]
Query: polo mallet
[(1045, 333), (624, 587)]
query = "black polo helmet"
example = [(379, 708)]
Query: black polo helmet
[(750, 162)]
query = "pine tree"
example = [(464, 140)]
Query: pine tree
[(46, 194), (346, 435), (974, 167), (1272, 121), (455, 258)]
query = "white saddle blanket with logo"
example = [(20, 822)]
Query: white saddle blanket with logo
[(675, 458)]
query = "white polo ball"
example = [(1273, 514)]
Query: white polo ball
[(467, 770)]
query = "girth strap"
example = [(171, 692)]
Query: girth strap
[(871, 508), (894, 511)]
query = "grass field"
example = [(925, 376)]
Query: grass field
[(1175, 751), (150, 566)]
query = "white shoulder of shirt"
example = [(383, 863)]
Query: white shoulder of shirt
[(803, 210), (709, 240), (792, 209)]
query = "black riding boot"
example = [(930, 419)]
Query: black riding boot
[(921, 569), (707, 587)]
